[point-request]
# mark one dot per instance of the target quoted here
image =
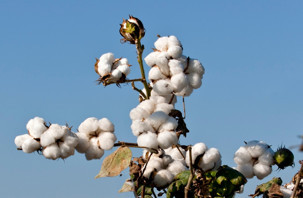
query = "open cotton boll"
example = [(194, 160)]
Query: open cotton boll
[(148, 105), (170, 98), (162, 63), (286, 192), (115, 76), (211, 155), (104, 68), (106, 125), (195, 66), (170, 125), (157, 119), (107, 58), (155, 163), (175, 51), (66, 150), (147, 173), (57, 131), (94, 151), (179, 82), (176, 167), (193, 156), (139, 127), (166, 160), (267, 158), (47, 139), (166, 139), (155, 74), (125, 69), (88, 126), (163, 178), (242, 156), (71, 139), (151, 58), (166, 108), (51, 152), (175, 153), (175, 66), (148, 140), (199, 148), (107, 140), (173, 41), (30, 145), (246, 169), (162, 43), (256, 149), (36, 127), (187, 91), (138, 114), (194, 80), (261, 170), (19, 140), (123, 61), (163, 87), (83, 143)]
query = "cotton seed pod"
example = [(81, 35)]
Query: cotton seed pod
[(148, 140), (19, 140), (107, 140), (246, 169), (167, 139), (30, 145), (132, 30), (36, 127), (242, 156), (163, 178), (283, 157), (261, 170), (83, 144), (89, 126), (106, 125)]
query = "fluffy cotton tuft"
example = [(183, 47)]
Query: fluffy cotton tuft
[(88, 126), (163, 178), (261, 170), (176, 167), (167, 139), (106, 125), (148, 140), (36, 127), (107, 140), (30, 145), (246, 169)]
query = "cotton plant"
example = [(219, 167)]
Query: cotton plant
[(166, 164)]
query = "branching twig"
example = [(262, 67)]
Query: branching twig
[(180, 151), (297, 180), (138, 90), (134, 145), (191, 176), (184, 108)]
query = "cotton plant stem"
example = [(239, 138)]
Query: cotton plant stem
[(180, 151), (125, 81), (138, 90), (184, 111), (134, 145), (191, 176), (140, 49), (293, 195)]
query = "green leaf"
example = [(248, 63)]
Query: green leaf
[(128, 186), (115, 162)]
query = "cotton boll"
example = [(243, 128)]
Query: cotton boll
[(30, 145), (57, 131), (242, 156), (175, 51), (246, 169), (115, 76), (179, 82), (163, 87), (170, 125), (286, 192), (199, 148), (194, 80), (173, 41), (155, 74), (66, 150), (211, 155), (193, 156), (187, 91), (125, 69), (163, 178), (51, 152), (83, 143), (151, 58), (267, 157), (175, 66), (157, 119), (107, 140), (175, 153), (162, 43), (19, 140), (155, 163), (218, 164), (261, 170), (89, 126), (195, 67), (106, 125), (138, 114), (166, 108), (166, 160), (256, 149), (167, 139), (148, 105), (71, 139), (123, 61), (170, 98), (36, 127), (148, 140), (94, 151), (47, 139), (107, 58), (139, 127), (104, 69), (176, 167)]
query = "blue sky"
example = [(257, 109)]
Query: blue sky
[(252, 89)]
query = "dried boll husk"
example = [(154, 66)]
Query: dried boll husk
[(36, 127)]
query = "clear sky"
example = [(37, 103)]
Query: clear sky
[(252, 89)]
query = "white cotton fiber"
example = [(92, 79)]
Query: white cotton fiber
[(138, 114), (170, 125), (167, 139), (155, 163), (162, 43), (174, 52), (151, 58), (211, 155), (256, 149), (51, 152), (104, 68), (195, 67), (175, 66), (36, 127), (20, 139), (187, 91), (163, 87), (170, 98), (242, 156), (155, 74), (71, 139), (107, 140), (175, 153), (246, 169), (166, 108), (148, 105), (47, 139), (125, 69), (123, 61), (157, 119), (173, 41), (83, 144), (139, 127), (148, 140), (94, 151), (261, 170), (194, 80), (286, 192), (267, 158), (179, 82), (176, 167), (88, 126), (30, 145), (66, 150), (106, 125), (57, 131), (166, 160), (115, 76), (199, 148), (107, 58), (163, 178)]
